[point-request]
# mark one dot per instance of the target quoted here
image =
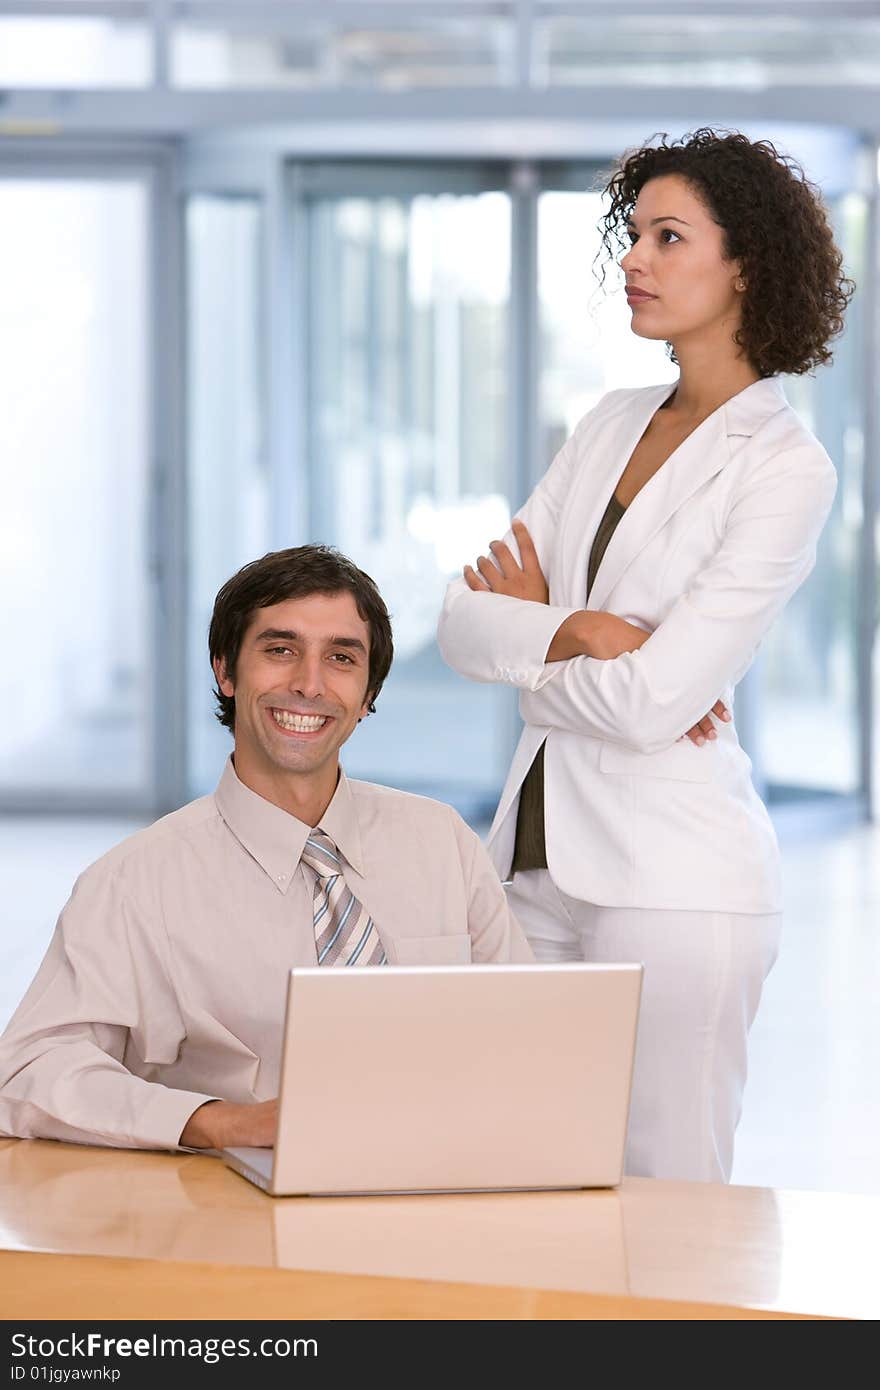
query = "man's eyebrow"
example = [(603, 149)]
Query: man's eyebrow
[(286, 634), (654, 220), (354, 643)]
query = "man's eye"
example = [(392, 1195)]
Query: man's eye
[(278, 651), (344, 657)]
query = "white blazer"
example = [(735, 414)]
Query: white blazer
[(705, 557)]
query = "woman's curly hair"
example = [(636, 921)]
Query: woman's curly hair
[(774, 223)]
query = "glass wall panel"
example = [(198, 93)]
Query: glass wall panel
[(228, 474), (745, 50), (408, 460), (585, 344), (808, 726), (285, 51), (76, 678), (204, 56), (74, 51)]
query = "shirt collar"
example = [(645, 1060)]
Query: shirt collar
[(340, 822), (275, 838)]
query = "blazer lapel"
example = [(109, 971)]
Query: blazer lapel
[(703, 454), (609, 453)]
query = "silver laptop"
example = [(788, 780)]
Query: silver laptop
[(451, 1079)]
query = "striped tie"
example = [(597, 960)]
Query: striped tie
[(345, 933)]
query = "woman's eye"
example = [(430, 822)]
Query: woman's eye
[(669, 236)]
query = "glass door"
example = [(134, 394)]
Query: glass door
[(228, 482), (406, 331), (76, 568)]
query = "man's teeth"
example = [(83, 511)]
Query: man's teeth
[(299, 723)]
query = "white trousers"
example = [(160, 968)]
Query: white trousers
[(700, 992)]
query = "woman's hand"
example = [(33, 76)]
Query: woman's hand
[(516, 581), (704, 729), (600, 635), (604, 636)]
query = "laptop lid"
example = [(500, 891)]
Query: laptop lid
[(452, 1078)]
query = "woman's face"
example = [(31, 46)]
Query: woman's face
[(678, 284)]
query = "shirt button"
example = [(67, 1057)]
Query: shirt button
[(282, 878)]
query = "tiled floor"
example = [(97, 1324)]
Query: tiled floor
[(812, 1112)]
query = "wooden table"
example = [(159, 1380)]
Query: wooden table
[(114, 1234)]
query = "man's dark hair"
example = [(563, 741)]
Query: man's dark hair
[(295, 573), (774, 224)]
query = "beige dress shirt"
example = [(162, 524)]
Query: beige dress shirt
[(164, 984)]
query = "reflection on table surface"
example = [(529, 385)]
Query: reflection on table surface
[(752, 1247)]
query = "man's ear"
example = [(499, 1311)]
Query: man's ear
[(224, 684)]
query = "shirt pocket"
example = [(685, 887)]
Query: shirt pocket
[(683, 762), (454, 949)]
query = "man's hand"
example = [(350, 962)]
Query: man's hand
[(220, 1124), (516, 581), (604, 637)]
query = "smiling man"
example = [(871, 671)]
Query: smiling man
[(155, 1019)]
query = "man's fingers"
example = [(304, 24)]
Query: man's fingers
[(526, 546)]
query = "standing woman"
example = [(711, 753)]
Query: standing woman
[(630, 598)]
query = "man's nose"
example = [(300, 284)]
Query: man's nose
[(308, 678)]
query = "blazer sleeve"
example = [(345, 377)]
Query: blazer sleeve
[(102, 985), (491, 637), (649, 698)]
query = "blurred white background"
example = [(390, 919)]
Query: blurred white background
[(286, 271)]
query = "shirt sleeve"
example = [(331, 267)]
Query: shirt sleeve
[(649, 698), (495, 933), (492, 637), (101, 990)]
